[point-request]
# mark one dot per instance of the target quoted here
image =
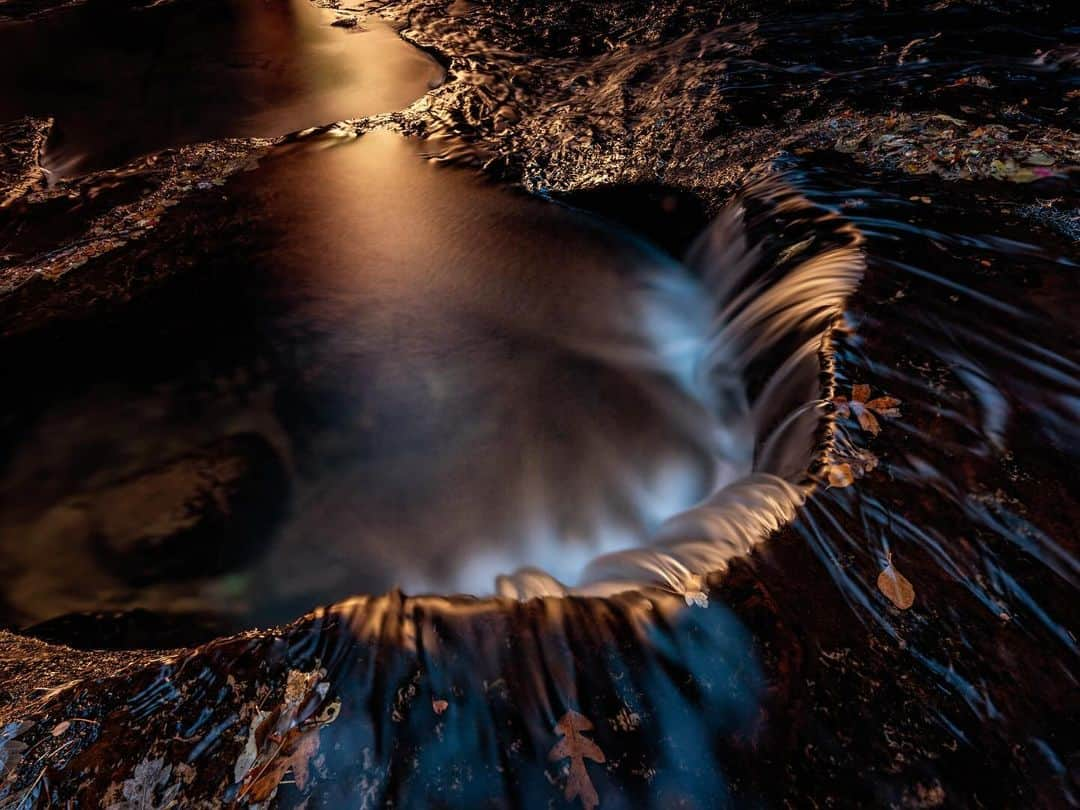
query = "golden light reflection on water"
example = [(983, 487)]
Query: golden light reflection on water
[(132, 82)]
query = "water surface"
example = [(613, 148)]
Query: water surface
[(451, 378), (123, 82)]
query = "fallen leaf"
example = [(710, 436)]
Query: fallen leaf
[(867, 410), (61, 727), (286, 737), (294, 754), (576, 747), (148, 788), (840, 475), (867, 420), (885, 406), (896, 587)]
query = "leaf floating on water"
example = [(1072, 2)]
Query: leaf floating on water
[(577, 748), (285, 738), (896, 587), (845, 469), (888, 407)]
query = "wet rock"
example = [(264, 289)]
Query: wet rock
[(196, 515), (21, 142), (130, 629)]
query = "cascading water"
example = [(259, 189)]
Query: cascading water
[(603, 418)]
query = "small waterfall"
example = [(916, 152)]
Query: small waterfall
[(744, 333)]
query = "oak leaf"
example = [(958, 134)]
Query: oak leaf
[(577, 748), (286, 737), (294, 753)]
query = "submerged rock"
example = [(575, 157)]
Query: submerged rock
[(194, 516), (167, 532)]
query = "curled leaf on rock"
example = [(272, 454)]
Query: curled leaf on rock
[(895, 586)]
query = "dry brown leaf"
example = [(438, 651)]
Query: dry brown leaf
[(840, 475), (576, 747), (885, 406), (295, 753), (896, 587), (868, 422), (867, 411), (286, 737)]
